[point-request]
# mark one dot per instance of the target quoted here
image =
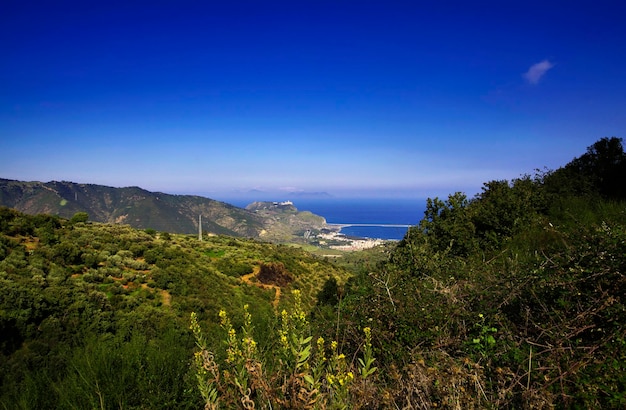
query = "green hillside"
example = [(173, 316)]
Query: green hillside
[(511, 299), (73, 291), (155, 210)]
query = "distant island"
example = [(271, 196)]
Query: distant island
[(304, 194)]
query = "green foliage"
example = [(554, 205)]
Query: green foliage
[(111, 372), (448, 226), (599, 172), (518, 291), (329, 295), (504, 209), (80, 217), (365, 364), (233, 268), (483, 339), (295, 373), (77, 298)]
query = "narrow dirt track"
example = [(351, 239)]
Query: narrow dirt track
[(247, 279)]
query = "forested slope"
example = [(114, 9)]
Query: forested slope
[(511, 299), (97, 315)]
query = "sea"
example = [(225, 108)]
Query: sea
[(366, 218)]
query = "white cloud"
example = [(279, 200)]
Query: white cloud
[(536, 71)]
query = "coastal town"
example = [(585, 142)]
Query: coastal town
[(313, 228), (334, 239)]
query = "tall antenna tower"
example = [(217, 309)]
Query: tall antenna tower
[(200, 228)]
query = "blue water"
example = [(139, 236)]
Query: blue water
[(375, 232), (368, 211), (363, 211)]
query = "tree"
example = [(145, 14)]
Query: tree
[(503, 208), (448, 224), (600, 171), (605, 161), (80, 217), (329, 295)]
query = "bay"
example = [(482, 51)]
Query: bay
[(370, 211)]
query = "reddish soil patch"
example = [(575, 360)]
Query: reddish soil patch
[(248, 280), (274, 273)]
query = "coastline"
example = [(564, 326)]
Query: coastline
[(334, 239)]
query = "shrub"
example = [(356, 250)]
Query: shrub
[(80, 217)]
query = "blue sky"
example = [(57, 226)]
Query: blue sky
[(355, 98)]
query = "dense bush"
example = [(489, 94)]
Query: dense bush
[(95, 315), (512, 299)]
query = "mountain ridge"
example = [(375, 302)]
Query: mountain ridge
[(145, 209)]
